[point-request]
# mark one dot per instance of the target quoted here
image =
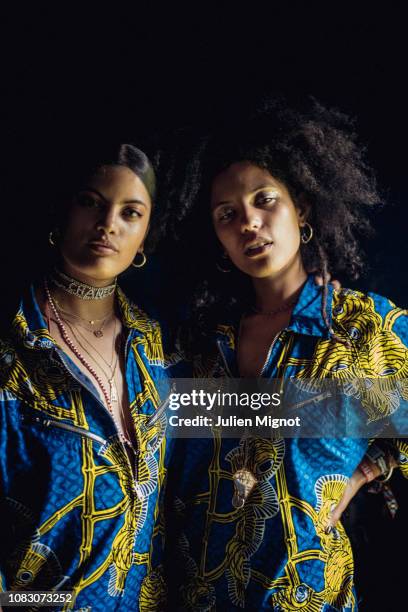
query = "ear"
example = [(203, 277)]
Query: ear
[(303, 209)]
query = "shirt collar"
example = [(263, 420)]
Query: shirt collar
[(307, 315), (29, 325), (32, 330)]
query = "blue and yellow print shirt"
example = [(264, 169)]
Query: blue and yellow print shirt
[(77, 511), (273, 553)]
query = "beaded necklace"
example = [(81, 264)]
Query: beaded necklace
[(85, 363), (114, 396)]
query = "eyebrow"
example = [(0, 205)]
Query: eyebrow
[(259, 188), (98, 193)]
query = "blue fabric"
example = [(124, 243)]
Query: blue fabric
[(72, 515), (273, 553)]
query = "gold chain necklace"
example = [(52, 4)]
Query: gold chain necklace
[(94, 347), (113, 395), (98, 333), (126, 440)]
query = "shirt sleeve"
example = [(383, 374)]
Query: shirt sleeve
[(402, 459)]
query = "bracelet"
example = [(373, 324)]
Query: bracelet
[(378, 456), (387, 475), (365, 468)]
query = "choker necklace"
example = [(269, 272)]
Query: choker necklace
[(80, 290), (272, 313), (109, 396)]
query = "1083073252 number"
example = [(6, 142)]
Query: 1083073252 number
[(37, 598)]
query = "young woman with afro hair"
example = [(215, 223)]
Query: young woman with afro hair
[(254, 523)]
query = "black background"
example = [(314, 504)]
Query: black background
[(124, 74)]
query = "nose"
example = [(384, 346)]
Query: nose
[(251, 220), (107, 220)]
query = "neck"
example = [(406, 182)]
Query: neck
[(82, 277), (274, 291), (87, 309)]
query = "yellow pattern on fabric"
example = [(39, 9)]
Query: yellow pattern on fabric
[(133, 506), (149, 389), (88, 508), (288, 599), (31, 379), (375, 352), (338, 572), (135, 317), (402, 446), (261, 505), (229, 334), (153, 592), (37, 559), (37, 385)]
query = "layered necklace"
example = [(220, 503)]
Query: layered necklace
[(111, 396), (111, 366), (95, 327)]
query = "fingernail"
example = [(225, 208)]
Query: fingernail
[(328, 529)]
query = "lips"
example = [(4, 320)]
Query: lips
[(257, 247), (102, 247)]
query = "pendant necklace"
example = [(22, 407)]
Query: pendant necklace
[(86, 364), (98, 333), (244, 478), (114, 396)]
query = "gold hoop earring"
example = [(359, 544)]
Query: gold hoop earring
[(305, 238), (51, 239), (142, 263), (223, 270)]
